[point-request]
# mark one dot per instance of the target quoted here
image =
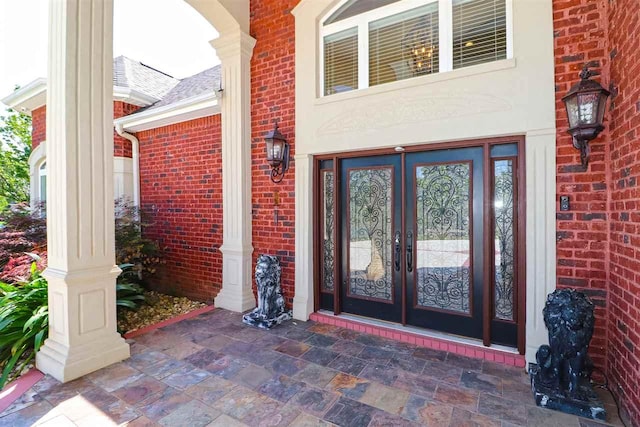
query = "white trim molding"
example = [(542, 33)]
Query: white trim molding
[(132, 96), (37, 157), (192, 108), (28, 98)]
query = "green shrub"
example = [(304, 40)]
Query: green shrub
[(132, 247), (128, 293), (24, 317), (24, 320)]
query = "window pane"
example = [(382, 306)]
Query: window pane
[(43, 188), (370, 220), (404, 45), (479, 32), (341, 61), (504, 257), (328, 227), (42, 196), (443, 222)]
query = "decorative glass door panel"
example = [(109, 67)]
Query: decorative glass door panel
[(328, 231), (504, 244), (372, 216), (502, 288), (370, 221), (443, 250), (443, 216)]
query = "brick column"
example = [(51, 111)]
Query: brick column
[(234, 49), (80, 223)]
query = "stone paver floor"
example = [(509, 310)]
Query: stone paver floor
[(215, 371)]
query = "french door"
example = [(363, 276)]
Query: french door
[(425, 238)]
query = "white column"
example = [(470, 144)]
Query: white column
[(81, 273), (303, 299), (234, 49), (541, 233)]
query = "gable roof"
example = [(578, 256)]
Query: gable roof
[(207, 81), (163, 98), (139, 77)]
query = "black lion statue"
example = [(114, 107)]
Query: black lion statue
[(564, 365), (271, 309)]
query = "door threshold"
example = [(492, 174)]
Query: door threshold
[(423, 338)]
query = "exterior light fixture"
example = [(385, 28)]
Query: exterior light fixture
[(419, 48), (277, 149), (585, 104)]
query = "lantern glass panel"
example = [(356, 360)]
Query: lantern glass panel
[(588, 103), (277, 150), (601, 107), (572, 111), (269, 149)]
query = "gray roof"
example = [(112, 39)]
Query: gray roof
[(135, 75), (205, 81)]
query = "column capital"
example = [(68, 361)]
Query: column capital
[(234, 43)]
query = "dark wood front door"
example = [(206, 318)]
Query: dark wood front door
[(444, 229), (423, 238), (371, 231)]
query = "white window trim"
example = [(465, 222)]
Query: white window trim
[(361, 22), (37, 158)]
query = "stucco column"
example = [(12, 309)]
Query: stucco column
[(80, 223), (234, 49), (541, 233), (303, 299)]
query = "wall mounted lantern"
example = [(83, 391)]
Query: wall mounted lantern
[(585, 104), (277, 149)]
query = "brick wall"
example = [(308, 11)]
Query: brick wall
[(582, 233), (624, 241), (38, 126), (181, 187), (273, 98), (121, 146), (599, 239)]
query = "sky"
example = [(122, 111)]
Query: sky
[(167, 35)]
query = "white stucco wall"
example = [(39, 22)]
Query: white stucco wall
[(123, 178), (509, 97)]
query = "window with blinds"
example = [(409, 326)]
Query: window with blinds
[(341, 61), (479, 32), (400, 39), (404, 45)]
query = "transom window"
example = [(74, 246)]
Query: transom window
[(370, 42)]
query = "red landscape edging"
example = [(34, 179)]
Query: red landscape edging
[(489, 354), (189, 315), (18, 387)]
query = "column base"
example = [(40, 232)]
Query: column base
[(236, 293), (302, 308), (68, 363)]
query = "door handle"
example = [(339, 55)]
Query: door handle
[(396, 242), (409, 251)]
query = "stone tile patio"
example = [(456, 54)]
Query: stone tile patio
[(215, 371)]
